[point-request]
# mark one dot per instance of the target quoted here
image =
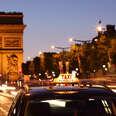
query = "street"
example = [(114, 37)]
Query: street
[(5, 103)]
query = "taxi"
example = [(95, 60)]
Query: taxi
[(93, 100)]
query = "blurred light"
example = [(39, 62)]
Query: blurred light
[(46, 73), (2, 88), (28, 58), (11, 88), (5, 87), (0, 75), (53, 72), (96, 40), (56, 102), (6, 82), (106, 69), (91, 99), (70, 39), (112, 86), (14, 111), (77, 74), (28, 94), (39, 74), (53, 47), (103, 66), (54, 75), (40, 52), (60, 79), (74, 73), (13, 92), (114, 90), (20, 70), (77, 69), (99, 28)]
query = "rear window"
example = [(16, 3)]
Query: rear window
[(80, 107)]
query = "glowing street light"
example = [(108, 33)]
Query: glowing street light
[(104, 66), (99, 27), (72, 39), (53, 47), (96, 40), (28, 58), (62, 48), (40, 52)]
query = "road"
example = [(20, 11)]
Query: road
[(5, 103)]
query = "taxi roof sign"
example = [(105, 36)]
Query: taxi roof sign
[(66, 78)]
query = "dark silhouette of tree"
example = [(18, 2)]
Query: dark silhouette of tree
[(37, 68)]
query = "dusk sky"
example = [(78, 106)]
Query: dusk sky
[(52, 22)]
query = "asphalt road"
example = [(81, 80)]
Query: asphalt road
[(5, 103)]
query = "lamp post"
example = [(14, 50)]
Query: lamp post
[(63, 57), (62, 48), (75, 40), (100, 28)]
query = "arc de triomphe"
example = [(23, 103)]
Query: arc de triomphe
[(11, 44)]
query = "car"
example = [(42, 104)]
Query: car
[(93, 100)]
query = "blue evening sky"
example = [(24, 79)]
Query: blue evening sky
[(52, 22)]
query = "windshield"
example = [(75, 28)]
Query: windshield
[(61, 107)]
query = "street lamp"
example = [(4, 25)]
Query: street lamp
[(53, 47), (96, 40), (76, 40), (40, 52), (71, 39), (62, 48), (100, 29), (28, 58)]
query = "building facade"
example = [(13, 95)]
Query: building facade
[(11, 44)]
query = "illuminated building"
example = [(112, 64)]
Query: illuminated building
[(11, 44)]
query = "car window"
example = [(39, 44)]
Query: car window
[(60, 107)]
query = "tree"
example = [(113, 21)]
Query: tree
[(112, 52), (73, 57), (36, 61), (31, 67), (24, 68)]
